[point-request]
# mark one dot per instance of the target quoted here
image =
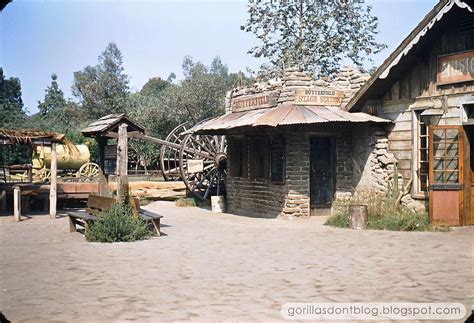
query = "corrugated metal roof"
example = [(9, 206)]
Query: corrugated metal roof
[(109, 122), (284, 115)]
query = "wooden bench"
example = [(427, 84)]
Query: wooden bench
[(95, 205), (148, 216), (98, 204)]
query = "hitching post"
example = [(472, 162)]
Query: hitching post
[(54, 182)]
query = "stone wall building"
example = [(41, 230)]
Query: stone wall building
[(291, 148), (298, 145)]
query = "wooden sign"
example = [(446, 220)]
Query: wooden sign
[(456, 68), (254, 102), (195, 165), (110, 152), (318, 97)]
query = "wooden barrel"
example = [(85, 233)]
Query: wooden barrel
[(358, 217)]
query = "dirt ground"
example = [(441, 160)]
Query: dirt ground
[(222, 267)]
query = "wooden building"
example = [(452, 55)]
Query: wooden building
[(426, 87)]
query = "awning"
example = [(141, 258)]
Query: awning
[(284, 115)]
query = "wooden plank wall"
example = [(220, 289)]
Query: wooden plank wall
[(420, 84)]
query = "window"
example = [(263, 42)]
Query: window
[(278, 160), (259, 167), (446, 155), (238, 152), (422, 160)]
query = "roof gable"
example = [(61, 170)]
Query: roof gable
[(421, 31)]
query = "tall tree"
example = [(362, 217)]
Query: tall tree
[(103, 89), (56, 113), (316, 35), (154, 87), (53, 99), (12, 114)]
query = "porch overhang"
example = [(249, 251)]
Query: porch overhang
[(283, 115)]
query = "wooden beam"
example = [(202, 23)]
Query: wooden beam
[(122, 163), (131, 134), (54, 182), (16, 203)]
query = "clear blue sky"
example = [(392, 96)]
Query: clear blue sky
[(39, 38)]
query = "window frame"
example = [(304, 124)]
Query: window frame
[(283, 162), (417, 161)]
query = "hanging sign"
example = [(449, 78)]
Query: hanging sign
[(110, 152), (318, 97), (253, 102), (456, 68), (195, 165)]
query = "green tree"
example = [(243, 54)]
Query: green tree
[(12, 114), (103, 89), (316, 35), (161, 108), (154, 87), (53, 99), (58, 114)]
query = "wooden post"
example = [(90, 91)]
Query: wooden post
[(16, 203), (103, 179), (3, 197), (122, 163), (54, 182), (30, 173), (358, 217)]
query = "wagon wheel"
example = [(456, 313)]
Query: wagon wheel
[(169, 156), (88, 170), (202, 162), (44, 175)]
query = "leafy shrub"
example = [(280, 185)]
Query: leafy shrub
[(185, 202), (383, 213), (117, 225), (339, 220)]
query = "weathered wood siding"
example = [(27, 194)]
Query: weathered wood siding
[(420, 80), (419, 85)]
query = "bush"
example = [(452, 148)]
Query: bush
[(185, 202), (383, 213), (117, 225)]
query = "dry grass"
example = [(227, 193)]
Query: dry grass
[(383, 213)]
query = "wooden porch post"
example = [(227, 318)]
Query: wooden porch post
[(16, 203), (103, 179), (54, 182), (122, 163)]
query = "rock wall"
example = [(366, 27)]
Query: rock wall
[(349, 81), (378, 171), (291, 198)]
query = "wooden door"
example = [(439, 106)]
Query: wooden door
[(468, 175), (446, 175), (321, 174)]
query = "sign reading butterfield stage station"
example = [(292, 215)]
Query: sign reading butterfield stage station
[(456, 68), (318, 97)]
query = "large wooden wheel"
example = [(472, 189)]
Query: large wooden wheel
[(202, 161), (169, 155), (88, 171)]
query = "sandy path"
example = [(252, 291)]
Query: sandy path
[(218, 267)]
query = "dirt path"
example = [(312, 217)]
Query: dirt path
[(218, 267)]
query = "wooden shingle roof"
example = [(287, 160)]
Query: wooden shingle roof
[(109, 124)]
